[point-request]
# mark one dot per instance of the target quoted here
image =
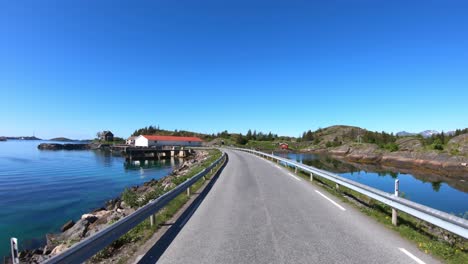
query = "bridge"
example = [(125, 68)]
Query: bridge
[(257, 211)]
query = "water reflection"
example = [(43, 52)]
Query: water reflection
[(449, 194), (150, 164)]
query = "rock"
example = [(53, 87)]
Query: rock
[(142, 189), (67, 225), (113, 204), (37, 251), (50, 240), (98, 210), (409, 144), (47, 250), (459, 144), (341, 151), (75, 233), (58, 249), (55, 146), (89, 217), (101, 213), (24, 254), (38, 258)]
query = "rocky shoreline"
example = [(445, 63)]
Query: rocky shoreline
[(70, 146), (431, 162), (113, 210)]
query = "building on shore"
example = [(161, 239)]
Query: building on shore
[(284, 146), (107, 136), (167, 141), (130, 141)]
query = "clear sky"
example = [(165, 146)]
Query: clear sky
[(71, 68)]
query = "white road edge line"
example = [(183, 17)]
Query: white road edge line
[(294, 176), (411, 256), (277, 166), (333, 202)]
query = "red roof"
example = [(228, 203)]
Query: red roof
[(172, 138)]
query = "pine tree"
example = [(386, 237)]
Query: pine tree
[(249, 135)]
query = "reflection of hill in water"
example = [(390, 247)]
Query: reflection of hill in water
[(340, 166)]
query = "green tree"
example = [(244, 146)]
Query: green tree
[(241, 140), (249, 135)]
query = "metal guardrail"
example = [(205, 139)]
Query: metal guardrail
[(454, 224), (87, 248)]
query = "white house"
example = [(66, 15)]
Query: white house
[(131, 141), (163, 141)]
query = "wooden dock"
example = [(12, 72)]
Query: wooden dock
[(150, 153)]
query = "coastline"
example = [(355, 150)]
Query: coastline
[(113, 210), (431, 162)]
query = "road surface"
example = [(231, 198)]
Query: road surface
[(257, 212)]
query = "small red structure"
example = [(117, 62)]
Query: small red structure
[(284, 146)]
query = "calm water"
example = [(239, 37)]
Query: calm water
[(448, 195), (41, 190)]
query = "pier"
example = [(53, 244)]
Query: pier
[(150, 153)]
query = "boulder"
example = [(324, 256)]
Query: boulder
[(47, 250), (67, 225), (113, 204), (98, 210), (409, 144), (75, 233), (89, 217), (58, 249), (38, 258)]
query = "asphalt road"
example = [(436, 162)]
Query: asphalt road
[(257, 212)]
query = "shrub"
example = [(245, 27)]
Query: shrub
[(130, 198), (391, 147), (437, 145)]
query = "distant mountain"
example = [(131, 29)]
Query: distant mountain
[(405, 134), (426, 133), (429, 133)]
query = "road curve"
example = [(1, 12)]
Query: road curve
[(257, 212)]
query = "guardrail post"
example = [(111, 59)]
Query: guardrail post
[(394, 211), (188, 191), (152, 220), (295, 170), (14, 250), (311, 176)]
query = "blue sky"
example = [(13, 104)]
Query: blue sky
[(71, 68)]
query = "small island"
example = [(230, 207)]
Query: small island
[(62, 139), (55, 146), (22, 138)]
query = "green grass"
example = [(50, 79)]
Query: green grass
[(109, 142), (263, 145), (144, 231), (409, 227)]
